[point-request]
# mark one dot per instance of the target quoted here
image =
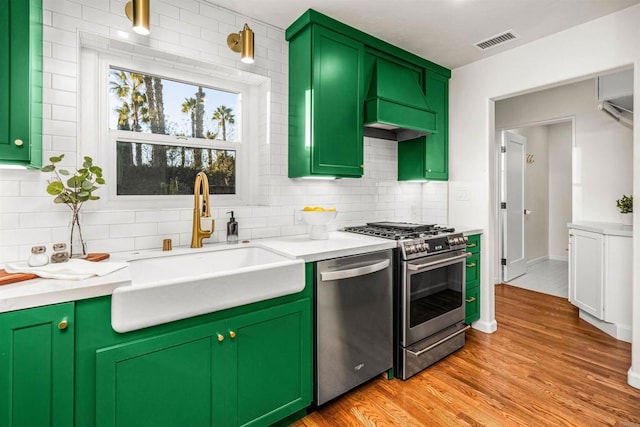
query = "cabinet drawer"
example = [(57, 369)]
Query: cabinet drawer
[(473, 270), (473, 245), (472, 305)]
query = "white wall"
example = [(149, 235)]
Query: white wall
[(560, 141), (603, 147), (198, 31), (582, 51)]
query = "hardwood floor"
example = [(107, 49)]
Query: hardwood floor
[(543, 367)]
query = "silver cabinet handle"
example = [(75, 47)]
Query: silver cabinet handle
[(416, 267), (325, 276), (447, 338)]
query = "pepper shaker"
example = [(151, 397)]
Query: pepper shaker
[(59, 253)]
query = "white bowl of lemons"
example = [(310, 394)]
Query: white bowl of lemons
[(318, 218)]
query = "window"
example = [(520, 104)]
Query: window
[(143, 108)]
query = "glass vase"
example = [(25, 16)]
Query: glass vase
[(77, 246)]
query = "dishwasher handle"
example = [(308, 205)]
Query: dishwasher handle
[(326, 276)]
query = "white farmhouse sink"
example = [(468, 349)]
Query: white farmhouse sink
[(168, 288)]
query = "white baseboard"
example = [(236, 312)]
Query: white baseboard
[(486, 327), (535, 261), (633, 378), (619, 332), (558, 258)]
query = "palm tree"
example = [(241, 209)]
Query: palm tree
[(123, 116), (128, 87), (199, 112), (189, 107), (222, 116)]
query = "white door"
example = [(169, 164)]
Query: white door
[(512, 205)]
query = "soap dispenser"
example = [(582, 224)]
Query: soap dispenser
[(232, 229)]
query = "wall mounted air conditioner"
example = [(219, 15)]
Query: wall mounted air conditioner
[(615, 95)]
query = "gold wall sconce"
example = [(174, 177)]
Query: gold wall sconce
[(138, 13), (242, 42)]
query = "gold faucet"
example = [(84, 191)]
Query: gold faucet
[(200, 210)]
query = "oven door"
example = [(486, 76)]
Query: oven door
[(432, 295)]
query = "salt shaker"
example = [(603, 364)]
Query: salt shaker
[(38, 257)]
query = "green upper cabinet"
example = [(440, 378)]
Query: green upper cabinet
[(326, 93), (341, 79), (427, 157), (21, 82), (36, 366)]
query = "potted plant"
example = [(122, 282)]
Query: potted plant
[(625, 204), (73, 191)]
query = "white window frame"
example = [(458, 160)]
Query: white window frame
[(94, 126)]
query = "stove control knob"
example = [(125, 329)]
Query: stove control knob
[(426, 247), (466, 239), (409, 249)]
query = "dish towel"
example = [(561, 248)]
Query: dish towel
[(74, 269)]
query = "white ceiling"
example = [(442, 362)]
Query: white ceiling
[(442, 31)]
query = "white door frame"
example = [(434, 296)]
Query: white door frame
[(497, 249)]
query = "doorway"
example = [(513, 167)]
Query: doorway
[(537, 189)]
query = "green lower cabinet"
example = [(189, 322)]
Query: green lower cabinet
[(472, 280), (472, 305), (36, 367), (247, 366), (269, 365), (170, 380)]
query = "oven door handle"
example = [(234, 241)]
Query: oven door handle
[(416, 267), (447, 338), (326, 276)]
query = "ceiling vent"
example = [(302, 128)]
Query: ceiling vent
[(497, 40)]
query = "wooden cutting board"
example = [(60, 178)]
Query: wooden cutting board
[(7, 278)]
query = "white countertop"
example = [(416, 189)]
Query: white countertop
[(339, 244), (608, 228), (40, 292), (468, 231)]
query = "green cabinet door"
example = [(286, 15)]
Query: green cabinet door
[(36, 367), (326, 104), (437, 144), (252, 369), (21, 82), (272, 364), (174, 379), (427, 157), (472, 279)]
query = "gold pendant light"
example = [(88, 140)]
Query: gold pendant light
[(138, 12), (242, 42)]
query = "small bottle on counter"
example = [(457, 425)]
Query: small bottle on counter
[(38, 257), (60, 253), (232, 229)]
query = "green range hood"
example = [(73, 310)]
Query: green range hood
[(396, 107)]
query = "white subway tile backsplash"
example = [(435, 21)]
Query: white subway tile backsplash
[(133, 230)]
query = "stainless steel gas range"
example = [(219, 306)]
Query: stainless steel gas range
[(429, 292)]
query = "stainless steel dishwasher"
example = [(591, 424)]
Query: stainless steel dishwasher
[(354, 323)]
